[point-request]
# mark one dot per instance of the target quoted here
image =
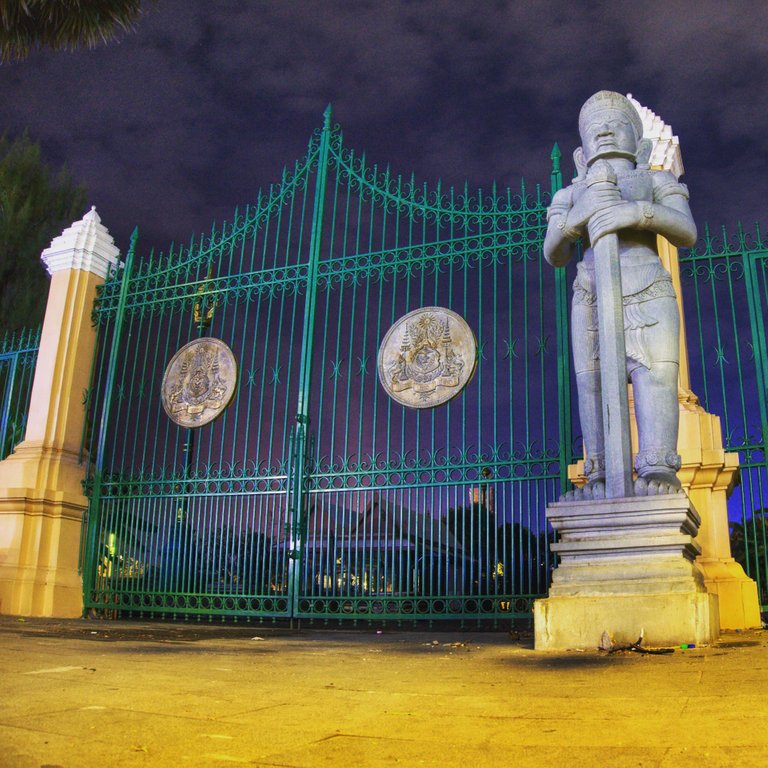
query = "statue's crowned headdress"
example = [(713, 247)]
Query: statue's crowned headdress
[(604, 101)]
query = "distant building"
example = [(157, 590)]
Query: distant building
[(484, 494)]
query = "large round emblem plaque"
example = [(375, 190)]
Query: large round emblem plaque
[(427, 357), (199, 382)]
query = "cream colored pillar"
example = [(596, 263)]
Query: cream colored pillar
[(708, 473), (41, 496)]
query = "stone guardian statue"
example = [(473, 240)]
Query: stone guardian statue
[(616, 193)]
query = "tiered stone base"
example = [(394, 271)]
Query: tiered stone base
[(626, 568), (40, 529)]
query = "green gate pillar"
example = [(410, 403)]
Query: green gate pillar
[(41, 496)]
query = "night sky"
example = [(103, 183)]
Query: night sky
[(187, 117)]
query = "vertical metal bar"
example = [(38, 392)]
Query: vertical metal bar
[(7, 399), (296, 493), (93, 506), (757, 326), (720, 361), (758, 524)]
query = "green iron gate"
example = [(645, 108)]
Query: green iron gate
[(725, 292), (18, 355), (315, 495)]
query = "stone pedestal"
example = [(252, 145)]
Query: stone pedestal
[(708, 476), (41, 496), (626, 566)]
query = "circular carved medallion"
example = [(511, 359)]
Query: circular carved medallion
[(199, 382), (427, 357)]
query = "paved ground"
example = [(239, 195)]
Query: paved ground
[(93, 693)]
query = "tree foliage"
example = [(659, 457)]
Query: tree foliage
[(35, 205), (28, 24)]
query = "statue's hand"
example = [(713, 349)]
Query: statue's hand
[(580, 213), (623, 215), (590, 203)]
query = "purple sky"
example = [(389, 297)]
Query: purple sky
[(186, 118)]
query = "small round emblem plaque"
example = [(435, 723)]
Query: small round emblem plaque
[(199, 382), (427, 357)]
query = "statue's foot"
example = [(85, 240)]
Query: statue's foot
[(592, 490), (652, 484), (657, 484), (596, 489)]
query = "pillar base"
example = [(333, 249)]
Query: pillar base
[(578, 621), (40, 531), (626, 567), (736, 592)]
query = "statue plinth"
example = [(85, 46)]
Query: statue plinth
[(627, 566), (708, 476)]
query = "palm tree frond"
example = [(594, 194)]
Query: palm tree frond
[(67, 24)]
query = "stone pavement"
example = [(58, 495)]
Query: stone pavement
[(97, 693)]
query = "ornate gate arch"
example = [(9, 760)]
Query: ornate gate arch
[(315, 495)]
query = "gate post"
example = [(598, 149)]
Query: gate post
[(41, 495)]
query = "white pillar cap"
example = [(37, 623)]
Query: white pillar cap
[(86, 245), (666, 147)]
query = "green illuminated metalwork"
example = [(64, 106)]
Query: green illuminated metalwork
[(314, 495), (18, 355)]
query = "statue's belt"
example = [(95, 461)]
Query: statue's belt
[(639, 283)]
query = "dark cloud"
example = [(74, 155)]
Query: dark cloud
[(185, 119)]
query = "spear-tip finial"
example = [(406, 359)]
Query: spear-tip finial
[(92, 215)]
